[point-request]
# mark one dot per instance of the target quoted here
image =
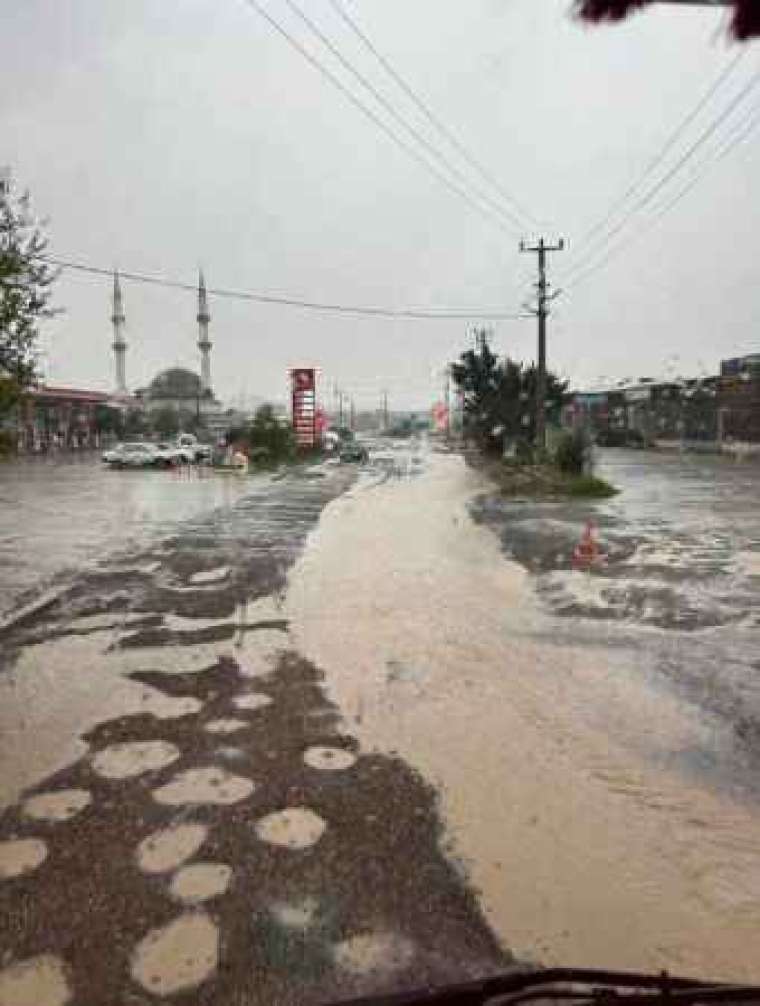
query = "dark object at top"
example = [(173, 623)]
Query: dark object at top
[(745, 21), (572, 985)]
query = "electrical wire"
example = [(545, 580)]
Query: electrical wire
[(431, 116), (671, 141), (454, 314), (647, 198), (371, 115), (397, 117), (738, 136)]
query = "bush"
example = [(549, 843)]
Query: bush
[(590, 487), (572, 453)]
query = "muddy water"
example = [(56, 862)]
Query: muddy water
[(574, 779), (58, 514)]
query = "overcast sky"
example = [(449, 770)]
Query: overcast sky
[(160, 135)]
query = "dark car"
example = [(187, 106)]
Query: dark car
[(354, 453)]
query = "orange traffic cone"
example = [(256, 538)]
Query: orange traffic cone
[(586, 553)]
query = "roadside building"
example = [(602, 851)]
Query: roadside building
[(49, 419)]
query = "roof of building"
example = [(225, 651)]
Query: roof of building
[(176, 382), (42, 391)]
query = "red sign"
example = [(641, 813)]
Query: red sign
[(304, 406)]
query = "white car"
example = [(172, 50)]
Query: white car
[(197, 451), (166, 455), (131, 455)]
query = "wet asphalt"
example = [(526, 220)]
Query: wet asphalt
[(370, 902)]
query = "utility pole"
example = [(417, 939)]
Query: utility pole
[(385, 410), (542, 312), (353, 415)]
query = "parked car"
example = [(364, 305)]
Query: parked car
[(354, 452), (131, 455), (168, 454), (197, 451)]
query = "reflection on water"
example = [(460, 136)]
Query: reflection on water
[(61, 513)]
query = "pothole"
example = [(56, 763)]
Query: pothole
[(294, 828), (167, 849), (370, 953), (179, 956), (252, 700), (21, 855), (58, 806), (329, 759), (204, 785), (38, 981), (225, 726), (131, 758), (200, 882)]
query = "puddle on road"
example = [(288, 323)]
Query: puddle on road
[(60, 805), (225, 726), (251, 700), (21, 855), (200, 882), (59, 690), (179, 956), (329, 759), (211, 575), (204, 785), (294, 828), (298, 915), (39, 981), (167, 849), (132, 758), (373, 953)]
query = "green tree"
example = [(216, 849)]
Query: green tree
[(108, 420), (135, 423), (269, 440), (165, 421), (25, 291), (498, 398)]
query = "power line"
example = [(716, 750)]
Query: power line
[(452, 138), (737, 137), (454, 314), (641, 203), (389, 108), (370, 114), (660, 156)]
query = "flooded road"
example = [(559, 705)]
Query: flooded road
[(590, 774), (60, 513), (186, 813), (238, 710)]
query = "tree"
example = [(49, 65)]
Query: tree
[(25, 290), (269, 440), (498, 398), (108, 419), (165, 421)]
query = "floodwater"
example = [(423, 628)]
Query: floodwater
[(594, 775), (60, 514)]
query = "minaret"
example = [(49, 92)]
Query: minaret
[(119, 345), (203, 342)]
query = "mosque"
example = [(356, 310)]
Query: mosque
[(175, 388)]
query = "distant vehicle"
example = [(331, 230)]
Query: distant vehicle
[(197, 451), (169, 454), (354, 453), (131, 455)]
